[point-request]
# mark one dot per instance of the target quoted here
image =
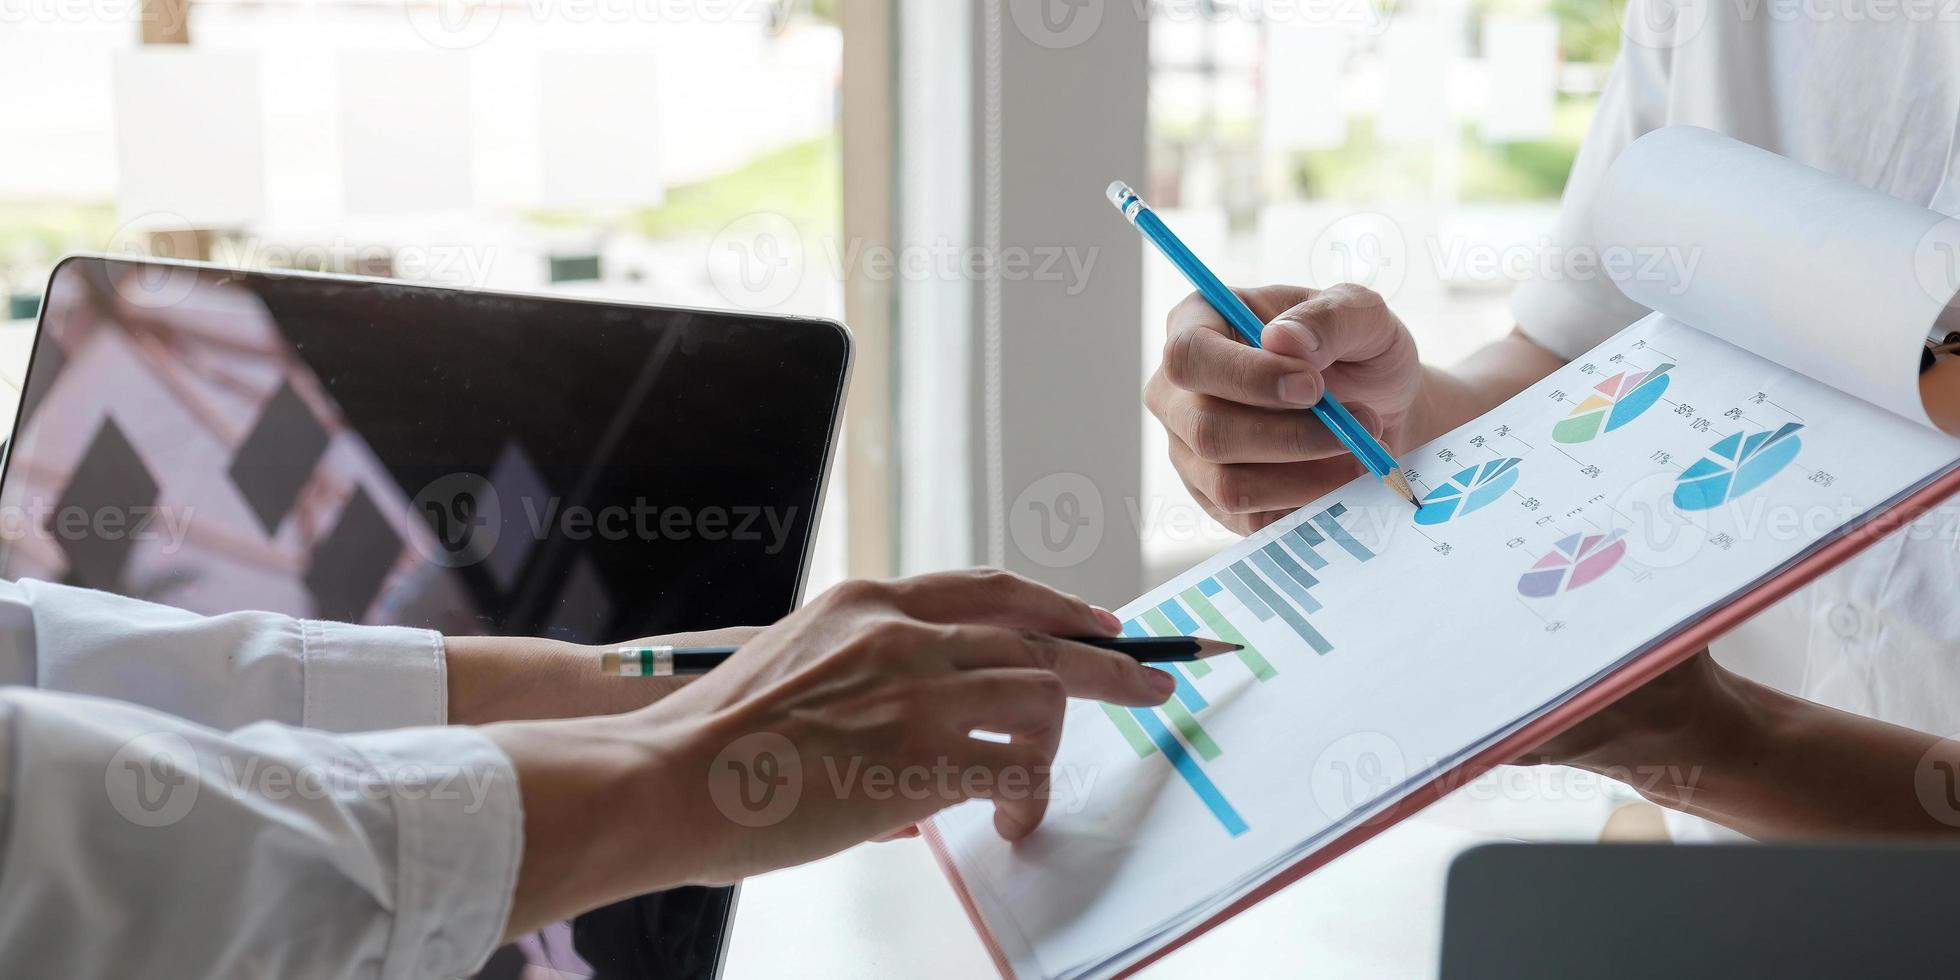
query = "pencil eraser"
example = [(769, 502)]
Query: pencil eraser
[(1119, 192)]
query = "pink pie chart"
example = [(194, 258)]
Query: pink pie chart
[(1576, 561)]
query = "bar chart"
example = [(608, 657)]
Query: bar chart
[(1266, 592)]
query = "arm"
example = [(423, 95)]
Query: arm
[(870, 682), (1450, 397), (295, 852), (267, 851), (232, 670), (500, 678), (1711, 743)]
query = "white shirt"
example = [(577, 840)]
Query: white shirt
[(174, 803), (1865, 89)]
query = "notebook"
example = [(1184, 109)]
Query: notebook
[(1761, 426)]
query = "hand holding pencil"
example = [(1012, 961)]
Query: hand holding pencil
[(1240, 434)]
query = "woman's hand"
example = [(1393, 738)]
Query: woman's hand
[(878, 682), (1240, 435), (1656, 724), (848, 721)]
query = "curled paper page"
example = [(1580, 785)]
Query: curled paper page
[(1814, 272)]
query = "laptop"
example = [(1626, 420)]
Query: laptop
[(473, 462), (1700, 912)]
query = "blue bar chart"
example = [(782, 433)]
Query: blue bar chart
[(1268, 591)]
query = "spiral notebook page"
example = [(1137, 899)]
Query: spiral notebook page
[(1644, 484), (1833, 280)]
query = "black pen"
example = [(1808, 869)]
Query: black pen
[(680, 661)]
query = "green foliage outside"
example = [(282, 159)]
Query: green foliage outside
[(799, 182), (1365, 169)]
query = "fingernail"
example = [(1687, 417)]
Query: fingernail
[(1107, 620), (1309, 341), (1161, 682), (1007, 826), (1299, 389)]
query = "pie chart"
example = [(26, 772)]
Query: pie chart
[(1736, 465), (1575, 561), (1469, 491), (1613, 403)]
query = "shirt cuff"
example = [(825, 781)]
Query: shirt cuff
[(372, 678), (459, 840)]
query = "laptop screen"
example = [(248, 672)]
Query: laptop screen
[(386, 453), (474, 463)]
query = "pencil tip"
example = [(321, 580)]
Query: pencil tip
[(1398, 482)]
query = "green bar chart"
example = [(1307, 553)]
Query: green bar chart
[(1269, 592)]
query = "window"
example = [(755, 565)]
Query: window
[(1419, 150), (668, 152)]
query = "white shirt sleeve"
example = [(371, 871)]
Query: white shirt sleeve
[(269, 851), (222, 671), (1571, 305), (222, 838)]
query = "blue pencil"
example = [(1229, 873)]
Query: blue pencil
[(1329, 410)]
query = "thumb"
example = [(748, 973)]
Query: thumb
[(1345, 323)]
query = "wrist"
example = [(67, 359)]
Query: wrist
[(508, 678), (1435, 409), (1695, 719), (1477, 384), (606, 812)]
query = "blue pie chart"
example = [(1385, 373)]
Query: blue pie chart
[(1469, 491), (1736, 465)]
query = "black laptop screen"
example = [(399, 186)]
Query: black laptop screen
[(385, 453)]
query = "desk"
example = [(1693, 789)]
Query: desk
[(884, 910)]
